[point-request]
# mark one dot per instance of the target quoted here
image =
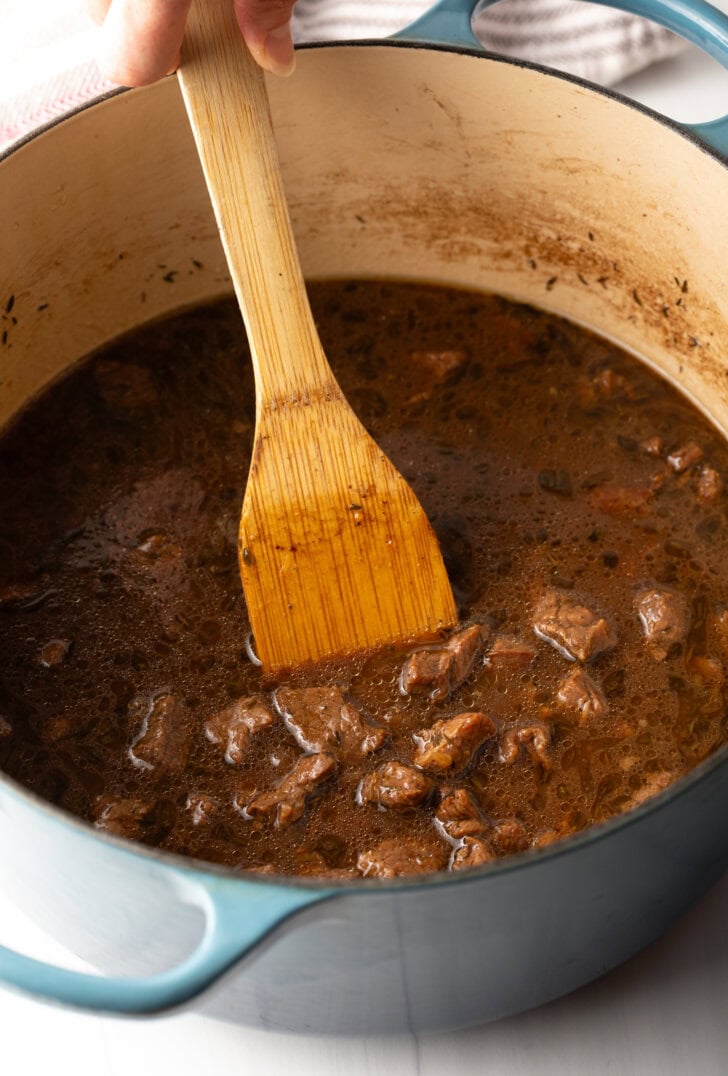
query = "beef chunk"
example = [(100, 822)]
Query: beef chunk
[(439, 670), (458, 815), (329, 849), (439, 364), (392, 858), (54, 652), (705, 671), (395, 786), (564, 829), (622, 502), (473, 852), (580, 692), (511, 653), (465, 646), (609, 385), (685, 457), (65, 726), (653, 446), (287, 801), (665, 618), (158, 545), (235, 726), (603, 386), (14, 594), (310, 863), (202, 807), (23, 596), (508, 837), (536, 740), (577, 631), (6, 729), (427, 671), (130, 818), (709, 485), (656, 782), (162, 742), (433, 369), (321, 719), (451, 743)]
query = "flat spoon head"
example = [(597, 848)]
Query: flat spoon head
[(336, 554)]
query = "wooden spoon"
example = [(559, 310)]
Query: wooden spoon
[(336, 553)]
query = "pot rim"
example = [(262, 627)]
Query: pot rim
[(685, 131), (508, 864)]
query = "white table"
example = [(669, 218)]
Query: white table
[(665, 1013)]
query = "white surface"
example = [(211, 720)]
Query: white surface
[(663, 1014)]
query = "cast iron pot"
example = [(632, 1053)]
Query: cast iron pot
[(425, 162)]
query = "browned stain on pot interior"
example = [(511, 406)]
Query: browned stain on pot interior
[(518, 231)]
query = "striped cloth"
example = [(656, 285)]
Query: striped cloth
[(50, 67), (588, 40)]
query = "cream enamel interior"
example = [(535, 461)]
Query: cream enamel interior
[(401, 162)]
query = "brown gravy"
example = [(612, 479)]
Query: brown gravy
[(568, 486)]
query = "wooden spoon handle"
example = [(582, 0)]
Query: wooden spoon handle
[(227, 103)]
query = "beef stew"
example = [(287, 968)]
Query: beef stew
[(579, 503)]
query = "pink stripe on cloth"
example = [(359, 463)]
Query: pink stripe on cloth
[(47, 101)]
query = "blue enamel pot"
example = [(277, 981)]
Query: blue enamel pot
[(419, 158)]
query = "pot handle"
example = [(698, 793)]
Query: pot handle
[(238, 917), (449, 23)]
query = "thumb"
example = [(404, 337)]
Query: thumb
[(266, 27)]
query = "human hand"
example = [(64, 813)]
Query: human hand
[(141, 39)]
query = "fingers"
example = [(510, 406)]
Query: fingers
[(97, 9), (266, 27), (140, 39)]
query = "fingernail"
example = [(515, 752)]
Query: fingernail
[(174, 67), (278, 54)]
